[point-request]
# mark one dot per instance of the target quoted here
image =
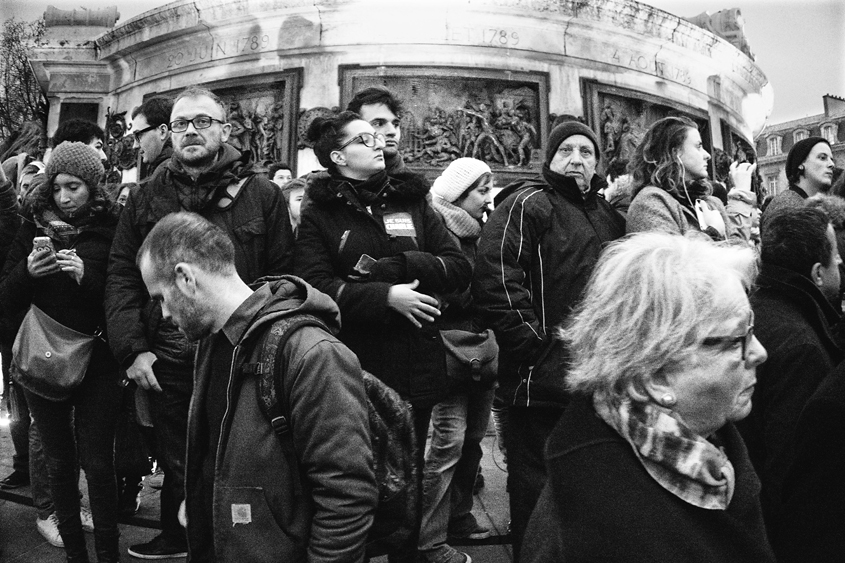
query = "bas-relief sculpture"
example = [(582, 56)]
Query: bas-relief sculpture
[(448, 117), (623, 122)]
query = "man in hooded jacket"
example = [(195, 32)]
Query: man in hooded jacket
[(535, 255)]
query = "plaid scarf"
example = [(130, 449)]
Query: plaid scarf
[(63, 228), (682, 462), (457, 220)]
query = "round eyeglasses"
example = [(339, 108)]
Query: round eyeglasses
[(366, 139), (199, 122)]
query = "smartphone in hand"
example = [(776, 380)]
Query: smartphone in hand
[(40, 243)]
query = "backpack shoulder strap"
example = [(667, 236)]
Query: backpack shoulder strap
[(273, 387)]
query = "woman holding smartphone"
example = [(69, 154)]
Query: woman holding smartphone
[(58, 263)]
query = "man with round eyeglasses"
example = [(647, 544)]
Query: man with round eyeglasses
[(204, 175), (151, 133)]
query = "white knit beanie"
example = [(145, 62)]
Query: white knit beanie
[(460, 175)]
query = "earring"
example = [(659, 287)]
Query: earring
[(668, 400), (801, 168)]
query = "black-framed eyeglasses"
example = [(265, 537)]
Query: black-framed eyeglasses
[(745, 339), (137, 134), (366, 139), (200, 122)]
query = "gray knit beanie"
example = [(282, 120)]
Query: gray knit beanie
[(565, 130), (76, 159), (459, 175)]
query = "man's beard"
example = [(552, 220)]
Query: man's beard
[(202, 160)]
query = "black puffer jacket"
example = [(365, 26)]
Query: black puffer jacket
[(535, 255), (336, 230), (255, 218)]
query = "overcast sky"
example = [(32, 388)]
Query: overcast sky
[(800, 44)]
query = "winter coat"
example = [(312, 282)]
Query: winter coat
[(535, 256), (10, 222), (600, 504), (813, 491), (792, 198), (76, 305), (792, 320), (337, 230), (330, 431), (655, 209), (256, 220)]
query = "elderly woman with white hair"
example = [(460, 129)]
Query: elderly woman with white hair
[(645, 464)]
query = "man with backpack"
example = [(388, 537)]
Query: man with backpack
[(301, 487)]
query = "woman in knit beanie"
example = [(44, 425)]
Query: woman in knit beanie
[(67, 283), (461, 195)]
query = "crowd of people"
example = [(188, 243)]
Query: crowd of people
[(661, 353)]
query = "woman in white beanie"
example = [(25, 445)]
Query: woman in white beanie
[(461, 195)]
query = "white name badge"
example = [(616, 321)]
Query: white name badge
[(399, 225)]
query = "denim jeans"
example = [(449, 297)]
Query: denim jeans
[(526, 434), (451, 463), (169, 411), (85, 421), (29, 455)]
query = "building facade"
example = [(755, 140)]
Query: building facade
[(774, 143), (483, 78)]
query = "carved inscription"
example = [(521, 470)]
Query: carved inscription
[(218, 48), (487, 36), (658, 68)]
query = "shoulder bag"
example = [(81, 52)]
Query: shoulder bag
[(470, 356), (48, 358)]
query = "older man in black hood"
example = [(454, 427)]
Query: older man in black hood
[(535, 255)]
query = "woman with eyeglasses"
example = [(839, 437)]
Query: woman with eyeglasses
[(646, 464), (670, 189), (373, 243)]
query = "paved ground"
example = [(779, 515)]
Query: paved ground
[(20, 542)]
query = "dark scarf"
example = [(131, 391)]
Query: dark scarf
[(196, 195), (64, 228), (369, 190)]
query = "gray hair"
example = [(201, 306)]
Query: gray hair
[(649, 304)]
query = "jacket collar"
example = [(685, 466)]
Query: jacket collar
[(568, 187), (799, 191), (324, 188)]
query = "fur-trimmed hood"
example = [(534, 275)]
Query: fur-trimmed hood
[(324, 187)]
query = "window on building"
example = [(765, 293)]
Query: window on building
[(773, 146), (800, 135), (772, 183), (829, 133)]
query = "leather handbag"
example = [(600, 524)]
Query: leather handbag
[(471, 356), (48, 358)]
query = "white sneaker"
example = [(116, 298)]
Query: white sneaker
[(87, 519), (49, 528)]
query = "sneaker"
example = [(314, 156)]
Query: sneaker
[(445, 554), (156, 480), (87, 519), (49, 528), (159, 547), (15, 480), (479, 532)]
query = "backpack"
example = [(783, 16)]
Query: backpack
[(391, 433)]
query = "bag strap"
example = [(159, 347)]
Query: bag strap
[(273, 388)]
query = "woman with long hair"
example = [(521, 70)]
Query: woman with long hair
[(67, 283), (670, 188)]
